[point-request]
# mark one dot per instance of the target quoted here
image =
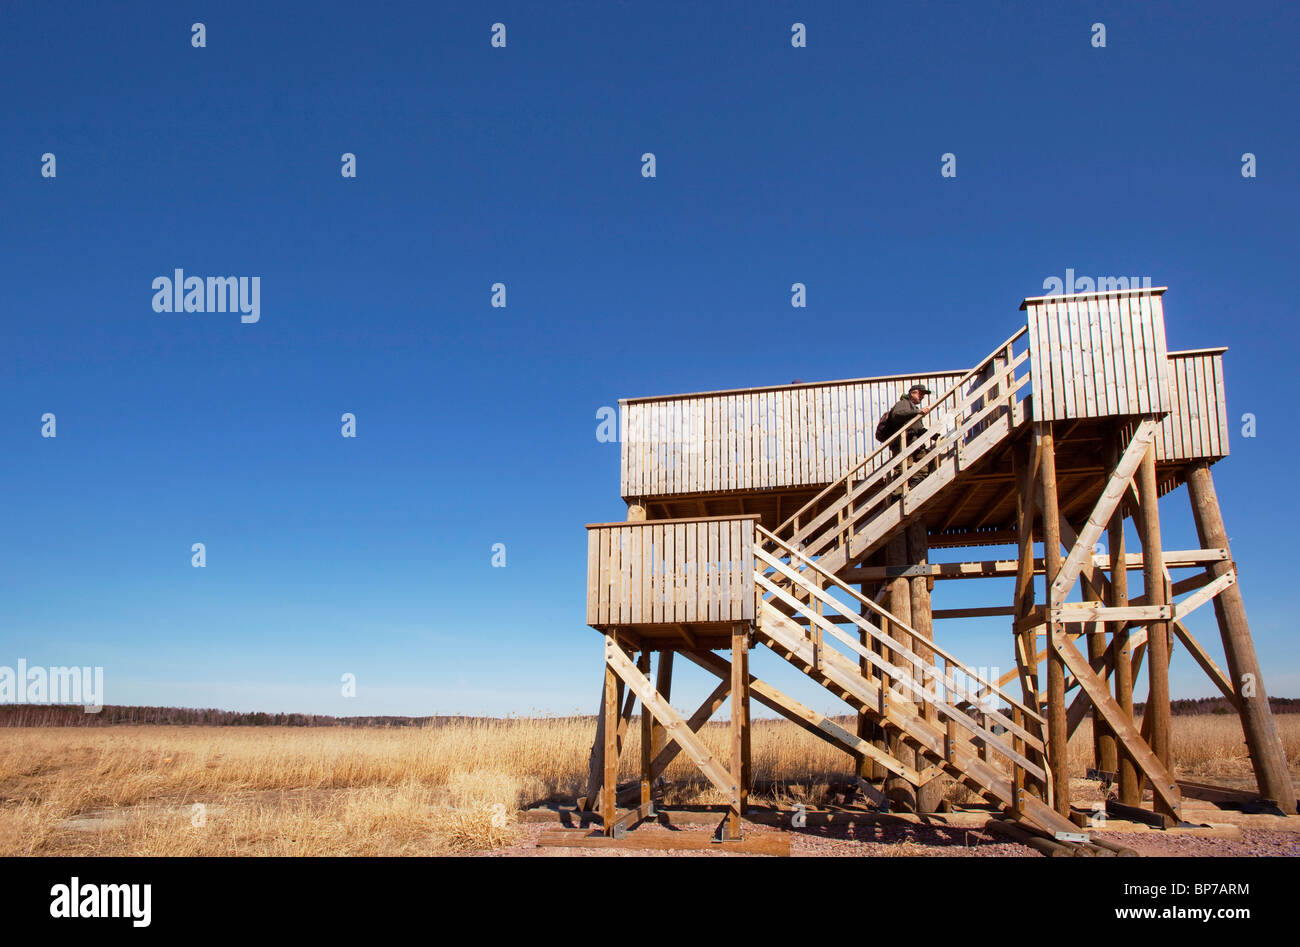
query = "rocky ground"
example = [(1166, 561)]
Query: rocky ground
[(937, 840)]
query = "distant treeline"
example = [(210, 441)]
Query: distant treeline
[(1220, 705), (42, 715)]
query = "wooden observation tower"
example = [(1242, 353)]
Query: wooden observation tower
[(768, 516)]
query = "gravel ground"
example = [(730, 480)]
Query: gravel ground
[(919, 841), (1254, 842), (862, 841)]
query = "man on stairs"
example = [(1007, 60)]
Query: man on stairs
[(896, 418)]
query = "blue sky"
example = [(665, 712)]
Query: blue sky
[(476, 425)]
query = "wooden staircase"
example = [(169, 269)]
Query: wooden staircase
[(854, 516), (945, 710)]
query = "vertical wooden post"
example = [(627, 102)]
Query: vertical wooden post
[(746, 733), (1057, 726), (1265, 746), (609, 786), (647, 732), (739, 725), (929, 796), (664, 685), (867, 728), (1025, 457), (595, 771), (1103, 739), (1130, 782), (1153, 581), (1104, 743), (1017, 771), (901, 793)]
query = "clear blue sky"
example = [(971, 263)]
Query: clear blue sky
[(476, 425)]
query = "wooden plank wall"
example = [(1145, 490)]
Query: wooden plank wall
[(1095, 355), (757, 439), (670, 571), (1197, 423)]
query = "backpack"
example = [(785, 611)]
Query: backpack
[(884, 429)]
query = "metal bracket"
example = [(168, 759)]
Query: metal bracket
[(1072, 837)]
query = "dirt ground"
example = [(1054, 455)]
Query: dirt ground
[(918, 840)]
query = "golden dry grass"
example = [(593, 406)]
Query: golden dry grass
[(133, 790)]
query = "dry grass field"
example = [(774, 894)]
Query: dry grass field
[(298, 791)]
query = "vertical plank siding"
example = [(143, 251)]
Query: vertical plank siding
[(1098, 355), (666, 571), (1092, 355), (1197, 424), (760, 439)]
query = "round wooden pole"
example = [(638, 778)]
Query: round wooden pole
[(1130, 783), (1103, 738), (647, 732), (1153, 581), (901, 793), (1025, 458), (1266, 752), (929, 796), (609, 785), (1058, 733), (867, 728)]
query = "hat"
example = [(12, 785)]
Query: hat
[(921, 388)]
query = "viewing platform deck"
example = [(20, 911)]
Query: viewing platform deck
[(1087, 359)]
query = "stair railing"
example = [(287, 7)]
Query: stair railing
[(831, 518), (897, 664)]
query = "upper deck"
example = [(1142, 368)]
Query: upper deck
[(1091, 358)]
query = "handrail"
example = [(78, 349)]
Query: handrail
[(889, 616), (838, 484), (856, 494)]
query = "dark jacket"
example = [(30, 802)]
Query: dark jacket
[(899, 415)]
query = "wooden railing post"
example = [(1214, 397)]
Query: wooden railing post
[(1017, 771)]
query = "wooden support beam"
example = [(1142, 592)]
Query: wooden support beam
[(647, 736), (930, 796), (609, 784), (1162, 781), (867, 729), (1130, 784), (1080, 706), (595, 772), (1153, 578), (901, 793), (708, 707), (664, 685), (807, 719), (1212, 670), (1103, 738), (1057, 729), (1265, 745), (1116, 484), (621, 665), (739, 726), (1026, 458), (1007, 568), (991, 611)]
